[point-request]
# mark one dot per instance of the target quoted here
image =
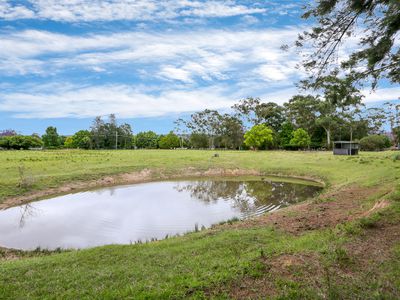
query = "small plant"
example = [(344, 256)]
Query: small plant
[(341, 256), (396, 157), (233, 220), (25, 181), (370, 222)]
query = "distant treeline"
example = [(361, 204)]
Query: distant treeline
[(302, 123)]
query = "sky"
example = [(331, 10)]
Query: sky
[(63, 62)]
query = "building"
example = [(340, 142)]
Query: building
[(345, 148)]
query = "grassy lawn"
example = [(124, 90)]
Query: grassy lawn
[(211, 263), (52, 168)]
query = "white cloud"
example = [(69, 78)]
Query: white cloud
[(171, 72), (209, 54), (12, 12), (110, 10), (79, 101), (383, 94)]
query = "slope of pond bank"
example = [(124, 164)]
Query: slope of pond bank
[(343, 244)]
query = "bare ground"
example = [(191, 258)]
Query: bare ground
[(332, 208), (362, 256)]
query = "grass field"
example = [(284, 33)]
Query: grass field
[(351, 251)]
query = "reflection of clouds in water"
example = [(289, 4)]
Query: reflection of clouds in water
[(142, 211)]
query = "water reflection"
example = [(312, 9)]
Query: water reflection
[(250, 197), (120, 215)]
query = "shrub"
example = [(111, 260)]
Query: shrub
[(300, 138), (169, 141), (375, 142), (147, 140), (258, 136), (18, 142)]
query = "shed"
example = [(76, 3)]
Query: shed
[(345, 148)]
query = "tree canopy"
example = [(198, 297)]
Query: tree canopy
[(376, 25), (258, 136)]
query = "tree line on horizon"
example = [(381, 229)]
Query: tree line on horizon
[(304, 122)]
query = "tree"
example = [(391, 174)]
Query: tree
[(51, 139), (285, 134), (7, 132), (376, 119), (69, 143), (270, 114), (231, 131), (169, 141), (255, 112), (376, 56), (98, 133), (206, 122), (182, 130), (147, 140), (109, 135), (258, 136), (300, 138), (302, 111), (124, 136), (199, 140), (246, 109)]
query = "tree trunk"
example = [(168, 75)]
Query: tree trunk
[(328, 138)]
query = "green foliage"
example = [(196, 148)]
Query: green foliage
[(18, 142), (375, 142), (258, 136), (286, 134), (199, 141), (147, 140), (256, 112), (108, 135), (300, 138), (169, 141), (51, 139), (375, 56)]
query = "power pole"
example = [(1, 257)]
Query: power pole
[(116, 140)]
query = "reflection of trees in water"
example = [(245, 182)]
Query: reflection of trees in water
[(27, 211), (247, 196)]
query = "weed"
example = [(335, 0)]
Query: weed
[(25, 181)]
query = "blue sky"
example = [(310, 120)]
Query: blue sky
[(63, 62)]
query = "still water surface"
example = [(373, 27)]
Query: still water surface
[(126, 214)]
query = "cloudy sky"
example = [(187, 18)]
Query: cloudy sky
[(63, 62)]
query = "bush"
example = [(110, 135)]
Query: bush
[(147, 140), (258, 136), (375, 142), (300, 139), (169, 141), (18, 142)]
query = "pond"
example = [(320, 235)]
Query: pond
[(142, 212)]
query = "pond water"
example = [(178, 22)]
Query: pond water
[(127, 214)]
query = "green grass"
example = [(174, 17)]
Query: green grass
[(175, 267), (188, 266), (47, 169)]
